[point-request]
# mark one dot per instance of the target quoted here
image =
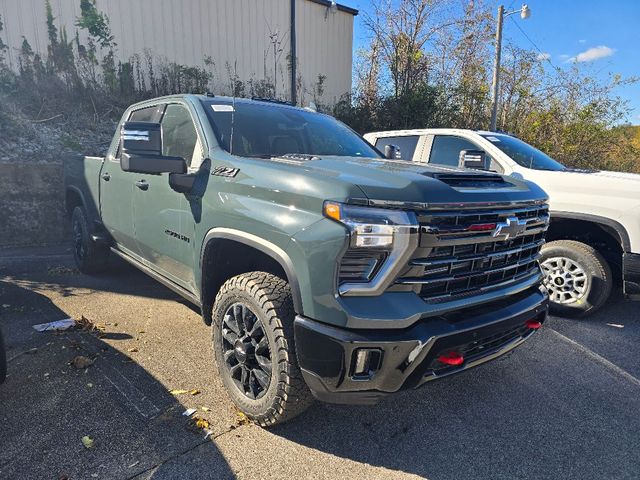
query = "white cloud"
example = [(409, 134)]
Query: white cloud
[(582, 40), (592, 54), (543, 56), (564, 56)]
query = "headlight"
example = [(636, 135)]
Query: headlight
[(381, 242)]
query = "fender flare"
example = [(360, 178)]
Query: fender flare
[(76, 191), (625, 242), (266, 247)]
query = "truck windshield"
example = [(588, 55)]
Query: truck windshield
[(269, 130), (524, 154)]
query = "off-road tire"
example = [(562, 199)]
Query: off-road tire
[(89, 256), (598, 272), (269, 298)]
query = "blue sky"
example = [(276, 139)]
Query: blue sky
[(604, 36)]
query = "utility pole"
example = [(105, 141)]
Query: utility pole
[(496, 71), (525, 12)]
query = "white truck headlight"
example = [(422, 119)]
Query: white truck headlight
[(380, 244)]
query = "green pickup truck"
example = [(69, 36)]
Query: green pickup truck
[(326, 270)]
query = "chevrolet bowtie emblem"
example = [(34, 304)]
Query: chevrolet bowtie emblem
[(510, 228)]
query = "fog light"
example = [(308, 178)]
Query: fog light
[(367, 363)]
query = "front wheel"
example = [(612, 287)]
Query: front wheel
[(255, 350), (578, 278)]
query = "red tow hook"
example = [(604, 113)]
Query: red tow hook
[(533, 324), (451, 358)]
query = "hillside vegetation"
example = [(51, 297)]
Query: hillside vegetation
[(427, 64)]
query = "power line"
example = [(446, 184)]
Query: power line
[(543, 55)]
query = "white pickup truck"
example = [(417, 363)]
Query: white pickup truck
[(593, 241)]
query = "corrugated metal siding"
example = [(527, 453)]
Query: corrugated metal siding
[(234, 33)]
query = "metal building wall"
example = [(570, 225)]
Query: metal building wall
[(234, 33)]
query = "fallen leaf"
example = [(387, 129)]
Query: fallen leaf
[(202, 423), (178, 392), (80, 362), (87, 441), (90, 385), (194, 392), (205, 409), (132, 350), (241, 418)]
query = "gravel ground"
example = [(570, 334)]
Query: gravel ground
[(564, 405)]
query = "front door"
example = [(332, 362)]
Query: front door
[(117, 189), (162, 217)]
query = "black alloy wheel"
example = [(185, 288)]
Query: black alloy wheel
[(246, 351)]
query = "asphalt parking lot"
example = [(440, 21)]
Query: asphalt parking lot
[(565, 405)]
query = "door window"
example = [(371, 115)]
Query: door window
[(148, 114), (179, 137), (407, 144), (446, 151)]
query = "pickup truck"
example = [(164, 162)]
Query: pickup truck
[(325, 269), (594, 235)]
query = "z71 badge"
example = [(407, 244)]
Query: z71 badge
[(225, 171)]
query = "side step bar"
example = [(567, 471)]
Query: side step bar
[(187, 295)]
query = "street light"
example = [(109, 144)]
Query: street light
[(525, 12)]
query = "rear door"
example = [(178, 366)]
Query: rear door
[(163, 219), (410, 146), (117, 189), (445, 150)]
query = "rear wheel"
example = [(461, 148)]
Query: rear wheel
[(254, 348), (88, 255), (578, 278)]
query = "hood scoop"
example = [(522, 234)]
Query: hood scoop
[(473, 180)]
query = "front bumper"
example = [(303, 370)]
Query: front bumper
[(408, 358), (631, 275)]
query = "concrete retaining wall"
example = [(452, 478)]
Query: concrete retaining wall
[(32, 204)]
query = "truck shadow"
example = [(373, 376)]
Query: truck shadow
[(59, 275), (533, 414), (47, 406)]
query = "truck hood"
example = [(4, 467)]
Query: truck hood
[(404, 181), (588, 186)]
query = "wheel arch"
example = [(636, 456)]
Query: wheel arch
[(73, 198), (607, 236), (256, 253), (611, 227)]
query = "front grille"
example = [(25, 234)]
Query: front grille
[(460, 254)]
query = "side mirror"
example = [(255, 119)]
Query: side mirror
[(475, 159), (141, 150), (392, 152), (141, 138)]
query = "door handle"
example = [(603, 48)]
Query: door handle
[(142, 185), (106, 177)]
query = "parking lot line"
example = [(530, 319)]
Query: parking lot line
[(598, 358)]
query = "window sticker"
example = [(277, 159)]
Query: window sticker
[(493, 139), (222, 108)]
